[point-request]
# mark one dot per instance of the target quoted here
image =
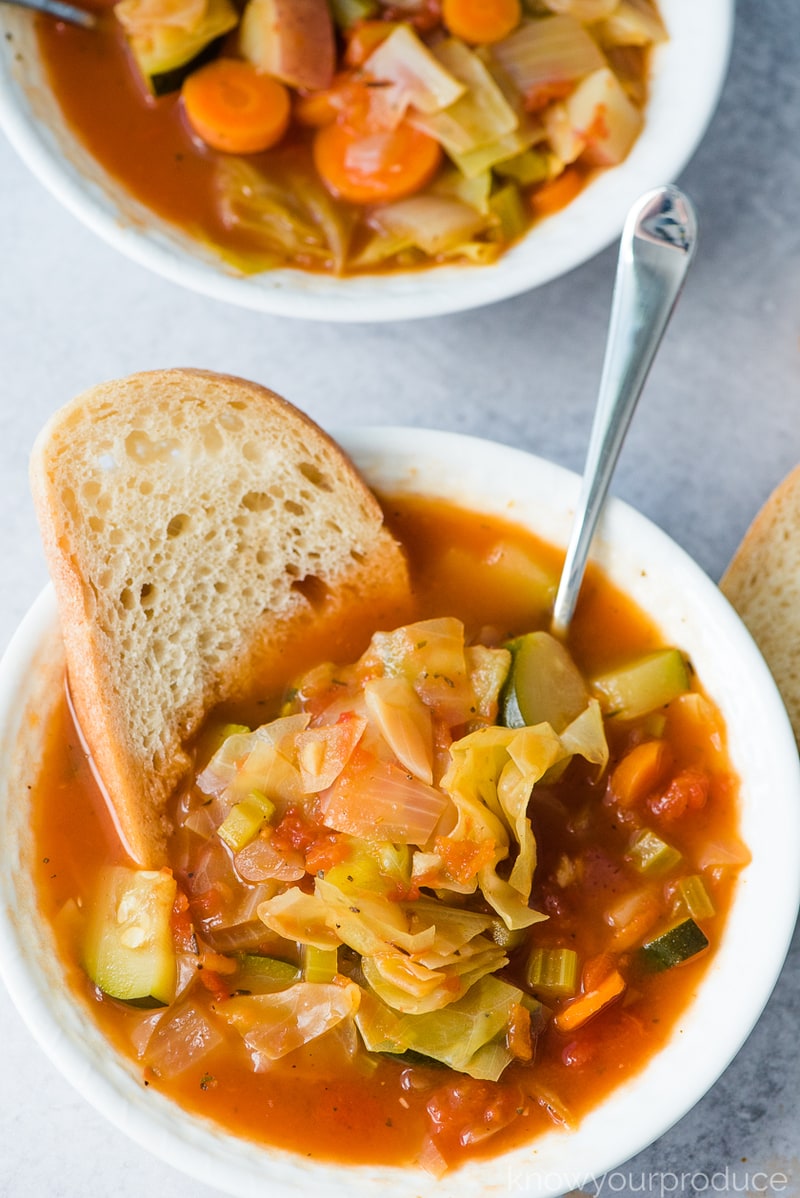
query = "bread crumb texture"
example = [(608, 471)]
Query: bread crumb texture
[(763, 584), (185, 514)]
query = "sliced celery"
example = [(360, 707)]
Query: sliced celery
[(320, 964), (648, 853), (672, 947), (692, 898), (507, 206), (245, 820), (643, 685), (552, 972), (347, 12), (544, 684), (263, 975), (530, 167)]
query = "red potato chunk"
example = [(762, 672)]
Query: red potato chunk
[(290, 39), (603, 117)]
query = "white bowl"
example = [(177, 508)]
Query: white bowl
[(690, 612), (688, 72)]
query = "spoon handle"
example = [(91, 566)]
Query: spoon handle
[(657, 246), (60, 10)]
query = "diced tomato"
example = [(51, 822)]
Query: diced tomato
[(424, 19), (182, 926), (214, 983), (210, 902), (295, 831), (553, 89), (329, 850), (467, 1111), (463, 858), (688, 791)]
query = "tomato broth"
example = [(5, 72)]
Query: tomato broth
[(332, 1100)]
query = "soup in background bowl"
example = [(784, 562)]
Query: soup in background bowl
[(688, 612), (686, 75)]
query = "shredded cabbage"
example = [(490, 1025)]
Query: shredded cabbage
[(372, 764), (273, 1025)]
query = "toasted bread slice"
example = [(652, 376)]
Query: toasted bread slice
[(763, 584), (194, 524)]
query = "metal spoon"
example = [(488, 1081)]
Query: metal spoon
[(657, 246), (60, 10)]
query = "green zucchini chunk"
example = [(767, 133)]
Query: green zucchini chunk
[(129, 951), (673, 947)]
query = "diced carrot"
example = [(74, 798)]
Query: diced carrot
[(578, 1010), (234, 108), (688, 791), (374, 167), (518, 1036), (557, 193), (640, 772), (481, 22), (316, 109), (363, 38), (596, 970)]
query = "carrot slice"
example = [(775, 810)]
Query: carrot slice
[(481, 21), (640, 772), (367, 168), (578, 1010), (556, 194), (234, 108)]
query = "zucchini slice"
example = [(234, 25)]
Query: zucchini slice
[(673, 947), (643, 685), (129, 952), (544, 684)]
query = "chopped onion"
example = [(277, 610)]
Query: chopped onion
[(259, 861)]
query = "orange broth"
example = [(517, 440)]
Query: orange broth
[(315, 1102)]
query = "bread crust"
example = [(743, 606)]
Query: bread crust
[(192, 523), (763, 584)]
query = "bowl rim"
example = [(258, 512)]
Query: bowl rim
[(625, 1122), (692, 69)]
